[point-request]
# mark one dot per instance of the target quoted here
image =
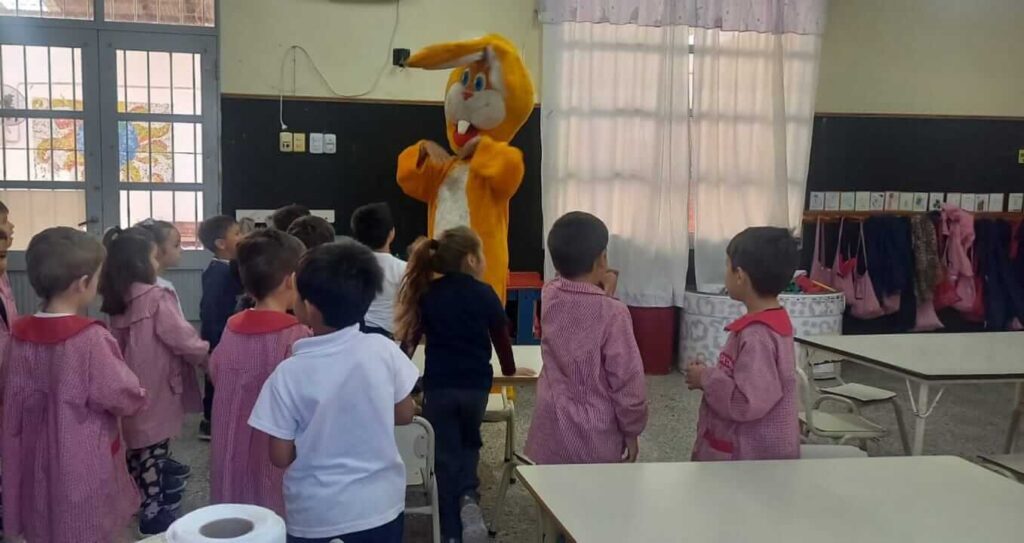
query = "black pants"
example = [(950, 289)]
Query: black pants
[(456, 416), (391, 532), (144, 467), (207, 399)]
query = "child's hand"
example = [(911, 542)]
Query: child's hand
[(525, 372), (695, 375), (632, 450), (610, 281)]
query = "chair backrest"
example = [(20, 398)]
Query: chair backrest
[(416, 445), (806, 395)]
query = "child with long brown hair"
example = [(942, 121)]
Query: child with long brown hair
[(443, 299), (162, 348)]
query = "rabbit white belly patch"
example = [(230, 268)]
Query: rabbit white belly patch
[(452, 205)]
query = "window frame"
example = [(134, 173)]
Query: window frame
[(98, 40)]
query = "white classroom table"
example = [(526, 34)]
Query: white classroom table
[(527, 356), (931, 360), (930, 499)]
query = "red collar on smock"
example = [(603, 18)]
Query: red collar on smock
[(260, 321), (776, 318), (50, 330)]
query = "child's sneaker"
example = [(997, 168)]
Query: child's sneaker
[(157, 524), (174, 468), (473, 528), (170, 484), (171, 502)]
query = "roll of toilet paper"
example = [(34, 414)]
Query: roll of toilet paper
[(228, 523)]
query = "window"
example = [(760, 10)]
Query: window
[(104, 122)]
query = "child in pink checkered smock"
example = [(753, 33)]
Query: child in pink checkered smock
[(65, 385), (254, 342), (591, 395), (749, 410)]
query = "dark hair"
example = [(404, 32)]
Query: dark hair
[(214, 228), (446, 254), (340, 279), (575, 242), (768, 255), (283, 217), (265, 259), (372, 224), (128, 262), (57, 257), (312, 231)]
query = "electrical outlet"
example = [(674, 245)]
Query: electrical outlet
[(330, 144), (1020, 156), (316, 143), (285, 143), (299, 142)]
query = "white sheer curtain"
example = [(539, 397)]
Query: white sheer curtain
[(753, 109), (618, 140), (614, 126)]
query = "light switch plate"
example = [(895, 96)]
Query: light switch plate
[(316, 143), (330, 144), (285, 142)]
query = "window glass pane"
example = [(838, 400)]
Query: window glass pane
[(185, 84), (159, 82), (179, 207), (15, 148), (176, 12), (14, 91), (51, 9), (40, 154), (134, 75), (44, 78), (35, 210)]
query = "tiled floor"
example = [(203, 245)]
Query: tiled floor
[(970, 420)]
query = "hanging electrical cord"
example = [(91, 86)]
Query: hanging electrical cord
[(295, 49)]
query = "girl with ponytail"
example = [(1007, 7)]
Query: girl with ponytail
[(443, 300), (163, 349)]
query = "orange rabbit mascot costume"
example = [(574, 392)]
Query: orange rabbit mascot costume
[(488, 99)]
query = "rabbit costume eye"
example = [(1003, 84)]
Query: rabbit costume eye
[(465, 78), (479, 83)]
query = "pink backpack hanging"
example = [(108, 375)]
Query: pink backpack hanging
[(843, 270), (819, 271), (864, 304)]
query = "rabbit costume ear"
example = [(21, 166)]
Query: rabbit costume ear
[(489, 90)]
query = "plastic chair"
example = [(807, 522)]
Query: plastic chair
[(507, 478), (863, 395), (839, 427), (501, 409), (808, 451), (416, 445)]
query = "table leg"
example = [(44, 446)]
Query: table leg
[(1018, 408), (548, 528), (920, 414)]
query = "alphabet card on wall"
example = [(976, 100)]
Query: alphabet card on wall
[(863, 202), (953, 198), (1016, 202), (920, 201), (848, 201), (892, 201), (906, 201), (981, 202), (967, 202), (817, 202), (832, 201), (995, 202), (935, 200), (877, 201)]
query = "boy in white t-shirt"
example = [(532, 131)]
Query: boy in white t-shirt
[(373, 226), (331, 408)]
